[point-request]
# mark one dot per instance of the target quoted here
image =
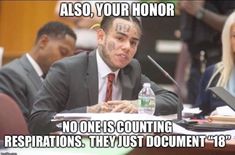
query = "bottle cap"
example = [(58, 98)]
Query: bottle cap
[(146, 85)]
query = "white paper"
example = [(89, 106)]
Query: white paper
[(191, 111), (224, 110)]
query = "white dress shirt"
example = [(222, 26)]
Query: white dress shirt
[(103, 71), (35, 65)]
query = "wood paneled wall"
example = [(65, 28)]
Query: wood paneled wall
[(19, 22)]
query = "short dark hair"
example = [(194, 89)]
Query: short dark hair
[(108, 20), (55, 29)]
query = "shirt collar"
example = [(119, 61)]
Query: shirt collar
[(35, 65), (103, 68)]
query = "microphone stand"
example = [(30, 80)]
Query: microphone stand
[(179, 120)]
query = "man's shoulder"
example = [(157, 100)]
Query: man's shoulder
[(134, 64), (76, 63), (15, 66), (133, 68), (13, 73), (76, 59), (12, 64)]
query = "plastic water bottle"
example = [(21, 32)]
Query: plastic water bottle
[(146, 100)]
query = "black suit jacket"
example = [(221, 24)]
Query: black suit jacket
[(72, 84)]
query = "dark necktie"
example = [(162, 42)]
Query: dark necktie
[(109, 90), (43, 76)]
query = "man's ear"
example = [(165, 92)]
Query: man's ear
[(101, 36), (43, 41)]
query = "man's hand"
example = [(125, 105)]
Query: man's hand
[(191, 6), (99, 108), (123, 106)]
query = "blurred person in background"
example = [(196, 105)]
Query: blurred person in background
[(221, 74), (22, 77), (201, 25), (84, 27)]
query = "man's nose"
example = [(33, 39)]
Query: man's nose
[(126, 45)]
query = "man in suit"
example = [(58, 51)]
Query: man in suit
[(78, 83), (22, 77)]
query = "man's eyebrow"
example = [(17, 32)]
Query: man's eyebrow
[(123, 34)]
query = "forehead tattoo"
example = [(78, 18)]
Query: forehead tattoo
[(123, 28)]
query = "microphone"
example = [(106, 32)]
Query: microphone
[(180, 105)]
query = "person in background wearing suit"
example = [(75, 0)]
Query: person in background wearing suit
[(82, 83), (221, 74), (22, 77)]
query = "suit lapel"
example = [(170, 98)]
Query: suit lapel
[(92, 80), (126, 85), (92, 77), (32, 74)]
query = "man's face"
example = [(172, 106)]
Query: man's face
[(120, 43), (58, 48)]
